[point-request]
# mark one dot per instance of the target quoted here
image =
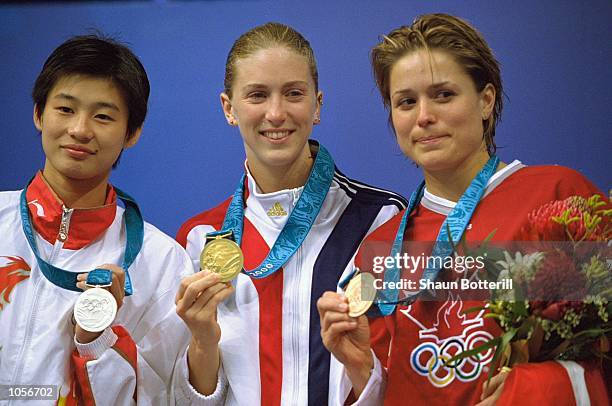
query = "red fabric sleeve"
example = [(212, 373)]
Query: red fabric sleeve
[(595, 378), (548, 383), (82, 387), (124, 346), (212, 217)]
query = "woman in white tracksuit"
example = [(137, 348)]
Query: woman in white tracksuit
[(90, 101)]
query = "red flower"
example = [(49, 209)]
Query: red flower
[(542, 226), (558, 279), (554, 310)]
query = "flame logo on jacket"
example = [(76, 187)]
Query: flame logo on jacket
[(70, 399), (451, 334), (15, 271)]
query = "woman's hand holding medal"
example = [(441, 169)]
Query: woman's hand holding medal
[(346, 334), (197, 299), (94, 310), (199, 295), (196, 303)]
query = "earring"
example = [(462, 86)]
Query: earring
[(317, 120)]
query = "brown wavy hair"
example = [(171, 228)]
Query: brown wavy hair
[(450, 34)]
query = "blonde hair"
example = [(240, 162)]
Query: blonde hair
[(450, 34), (266, 36)]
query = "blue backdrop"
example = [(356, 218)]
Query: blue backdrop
[(556, 61)]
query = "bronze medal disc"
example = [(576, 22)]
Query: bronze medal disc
[(223, 257), (361, 293)]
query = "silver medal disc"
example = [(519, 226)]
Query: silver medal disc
[(95, 309)]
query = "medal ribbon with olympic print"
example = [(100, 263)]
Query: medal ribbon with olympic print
[(454, 224), (299, 222)]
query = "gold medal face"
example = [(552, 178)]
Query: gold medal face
[(223, 257), (361, 293)]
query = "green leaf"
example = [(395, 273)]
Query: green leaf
[(525, 327), (490, 236), (519, 307), (592, 332), (474, 351), (508, 336), (504, 340), (498, 351)]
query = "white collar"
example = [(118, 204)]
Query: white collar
[(444, 206), (274, 208), (254, 188)]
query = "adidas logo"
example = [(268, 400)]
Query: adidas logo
[(276, 210)]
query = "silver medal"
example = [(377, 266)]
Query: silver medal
[(95, 309)]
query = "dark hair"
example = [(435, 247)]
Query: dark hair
[(101, 56), (450, 34), (266, 36)]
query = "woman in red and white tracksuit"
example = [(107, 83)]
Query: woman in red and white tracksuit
[(443, 88), (257, 340)]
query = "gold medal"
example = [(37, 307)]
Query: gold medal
[(361, 293), (223, 257)]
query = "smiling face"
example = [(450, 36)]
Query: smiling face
[(275, 104), (437, 112), (84, 129)]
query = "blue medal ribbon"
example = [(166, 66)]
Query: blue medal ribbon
[(299, 222), (456, 222), (100, 277), (134, 226)]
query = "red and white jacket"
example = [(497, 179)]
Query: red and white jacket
[(410, 342), (133, 360), (271, 347)]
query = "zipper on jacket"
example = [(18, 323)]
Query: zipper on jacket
[(295, 328), (62, 234), (296, 196)]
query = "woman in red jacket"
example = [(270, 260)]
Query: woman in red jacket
[(442, 86)]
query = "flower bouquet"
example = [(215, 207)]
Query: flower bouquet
[(561, 303)]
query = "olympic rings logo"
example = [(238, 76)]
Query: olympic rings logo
[(428, 359)]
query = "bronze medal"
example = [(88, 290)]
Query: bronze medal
[(361, 293)]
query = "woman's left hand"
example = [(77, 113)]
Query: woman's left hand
[(492, 390)]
